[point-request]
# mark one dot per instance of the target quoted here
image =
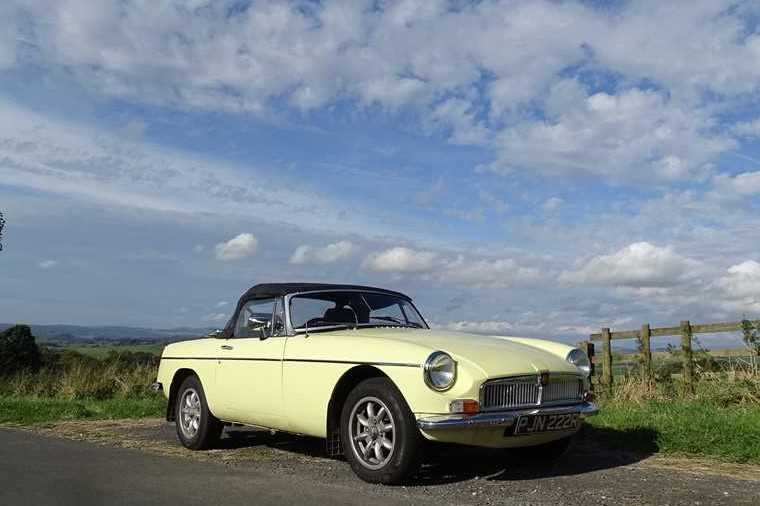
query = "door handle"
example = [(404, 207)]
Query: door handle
[(226, 347)]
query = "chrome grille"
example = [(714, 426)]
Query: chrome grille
[(507, 393), (565, 390)]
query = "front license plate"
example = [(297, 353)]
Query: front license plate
[(532, 424)]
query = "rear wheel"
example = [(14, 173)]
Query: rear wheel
[(197, 428), (379, 433)]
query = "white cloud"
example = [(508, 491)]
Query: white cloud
[(59, 157), (47, 264), (241, 246), (216, 317), (748, 129), (635, 135), (401, 259), (331, 253), (456, 270), (221, 303), (479, 327), (543, 325), (489, 273), (745, 184), (474, 70), (687, 46), (553, 204), (739, 287), (199, 248), (461, 117), (638, 265)]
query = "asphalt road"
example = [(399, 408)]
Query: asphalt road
[(254, 467), (42, 471)]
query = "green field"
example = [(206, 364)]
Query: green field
[(35, 410), (691, 428), (102, 350)]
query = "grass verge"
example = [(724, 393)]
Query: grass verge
[(681, 427), (34, 410)]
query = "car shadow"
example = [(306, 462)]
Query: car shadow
[(594, 449), (247, 437)]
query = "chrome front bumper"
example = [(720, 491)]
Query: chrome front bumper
[(499, 418), (157, 387)]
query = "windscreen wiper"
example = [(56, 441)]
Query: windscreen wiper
[(397, 321)]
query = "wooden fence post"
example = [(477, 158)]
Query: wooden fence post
[(688, 362), (590, 352), (606, 358), (646, 353), (588, 347)]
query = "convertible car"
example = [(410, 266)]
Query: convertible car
[(360, 367)]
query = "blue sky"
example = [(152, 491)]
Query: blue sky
[(518, 167)]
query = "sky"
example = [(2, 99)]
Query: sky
[(523, 167)]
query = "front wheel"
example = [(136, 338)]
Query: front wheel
[(379, 433), (197, 428)]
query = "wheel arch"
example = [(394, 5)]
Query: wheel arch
[(343, 387), (179, 376)]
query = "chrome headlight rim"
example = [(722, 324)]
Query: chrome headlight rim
[(579, 359), (428, 366)]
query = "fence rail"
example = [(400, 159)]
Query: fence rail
[(686, 330)]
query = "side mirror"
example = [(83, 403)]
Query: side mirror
[(257, 325)]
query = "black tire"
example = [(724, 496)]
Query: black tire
[(209, 428), (403, 459), (547, 452)]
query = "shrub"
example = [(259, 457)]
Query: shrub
[(751, 336), (18, 350)]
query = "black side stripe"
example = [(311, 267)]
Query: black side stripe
[(224, 358), (395, 364), (308, 360)]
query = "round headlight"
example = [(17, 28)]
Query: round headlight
[(440, 371), (579, 359)]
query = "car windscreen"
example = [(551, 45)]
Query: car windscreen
[(352, 308)]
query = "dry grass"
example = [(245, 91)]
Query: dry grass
[(721, 389), (83, 381)]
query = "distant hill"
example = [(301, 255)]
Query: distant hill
[(109, 333)]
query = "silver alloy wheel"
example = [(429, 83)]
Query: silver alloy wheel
[(190, 413), (373, 432)]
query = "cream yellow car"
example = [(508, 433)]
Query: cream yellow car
[(360, 367)]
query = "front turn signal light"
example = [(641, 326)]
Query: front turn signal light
[(588, 396), (464, 406)]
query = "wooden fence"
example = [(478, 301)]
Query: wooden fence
[(686, 330)]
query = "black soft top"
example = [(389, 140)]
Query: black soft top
[(267, 290)]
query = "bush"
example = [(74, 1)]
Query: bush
[(751, 336), (18, 351)]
